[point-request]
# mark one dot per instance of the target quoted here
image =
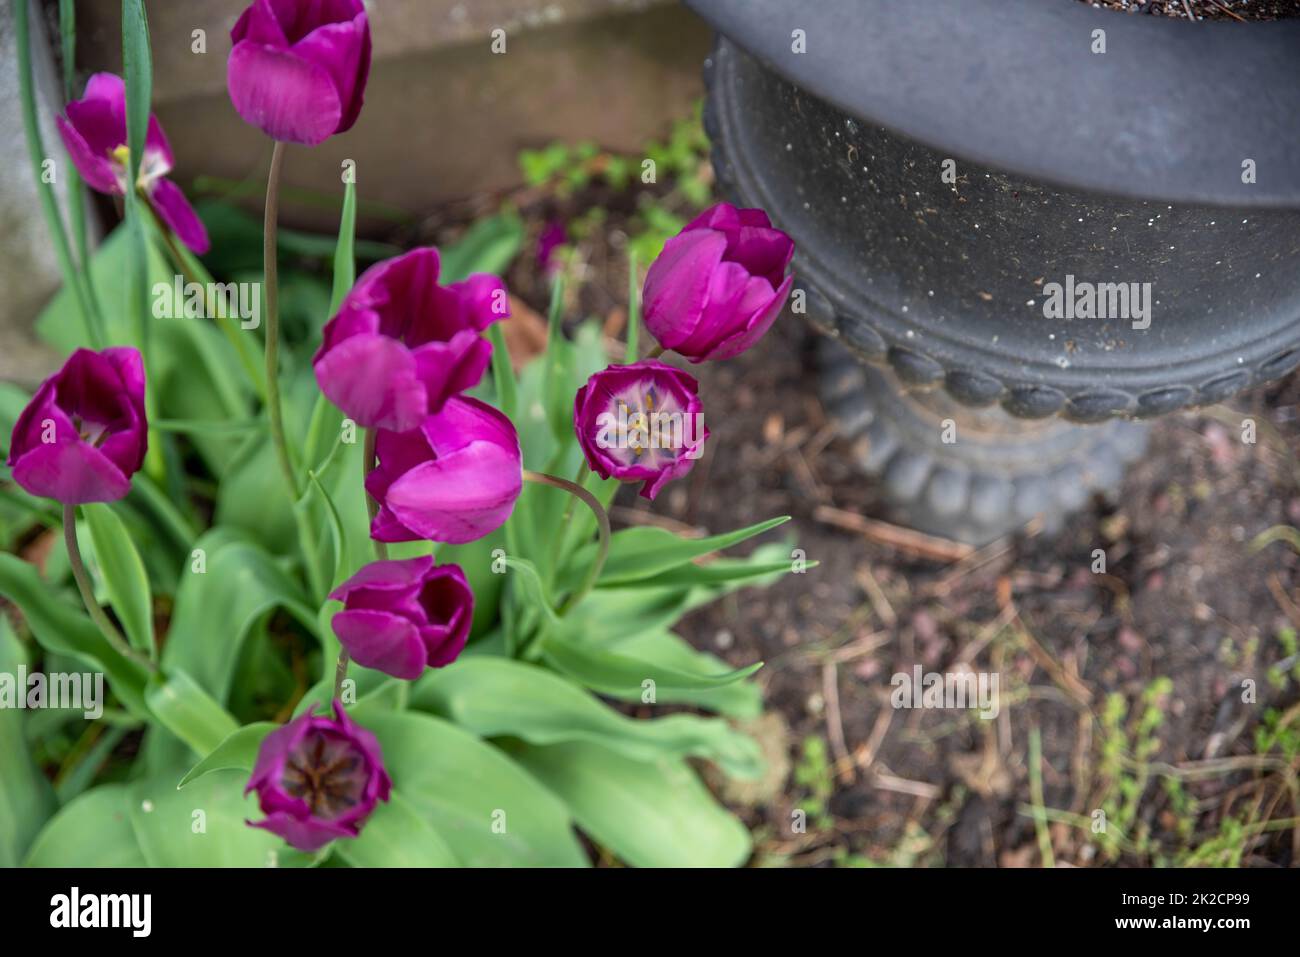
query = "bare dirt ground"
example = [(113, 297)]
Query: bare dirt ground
[(1123, 737)]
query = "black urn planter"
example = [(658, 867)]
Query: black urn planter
[(985, 204)]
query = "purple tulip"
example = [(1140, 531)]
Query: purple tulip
[(318, 778), (402, 345), (399, 616), (640, 422), (298, 68), (453, 479), (83, 435), (719, 284), (94, 134)]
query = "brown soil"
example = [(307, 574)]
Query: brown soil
[(1188, 598)]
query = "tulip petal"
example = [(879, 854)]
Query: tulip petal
[(307, 834), (288, 98), (383, 641), (70, 472), (374, 380), (459, 498), (259, 24), (759, 322), (95, 168), (343, 51), (449, 368), (677, 285), (734, 296), (386, 575), (176, 212)]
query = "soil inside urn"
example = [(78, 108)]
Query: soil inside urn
[(1236, 10)]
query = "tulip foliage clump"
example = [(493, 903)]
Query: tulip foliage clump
[(361, 603)]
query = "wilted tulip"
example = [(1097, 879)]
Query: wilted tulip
[(401, 344), (318, 778), (453, 479), (94, 134), (640, 422), (402, 615), (298, 68), (719, 284), (83, 435)]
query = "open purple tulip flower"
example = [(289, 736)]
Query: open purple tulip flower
[(640, 422), (719, 284), (455, 478), (94, 134), (298, 68), (84, 434), (400, 616), (401, 344), (318, 778)]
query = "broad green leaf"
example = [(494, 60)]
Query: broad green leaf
[(123, 573), (640, 553), (495, 697), (396, 835), (252, 497), (66, 630), (202, 826), (92, 831), (490, 812), (216, 608), (724, 571), (621, 675), (649, 813), (187, 711), (26, 799), (611, 614), (741, 700)]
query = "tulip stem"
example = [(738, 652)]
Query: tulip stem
[(580, 479), (602, 528), (340, 673), (381, 550), (275, 412), (656, 352), (372, 506), (97, 614)]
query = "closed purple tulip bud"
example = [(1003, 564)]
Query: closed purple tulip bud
[(318, 778), (84, 434), (94, 134), (298, 68), (399, 616), (453, 479), (640, 422), (402, 345), (719, 284)]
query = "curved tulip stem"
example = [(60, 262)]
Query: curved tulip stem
[(97, 614), (602, 528), (269, 228), (656, 352), (580, 479)]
